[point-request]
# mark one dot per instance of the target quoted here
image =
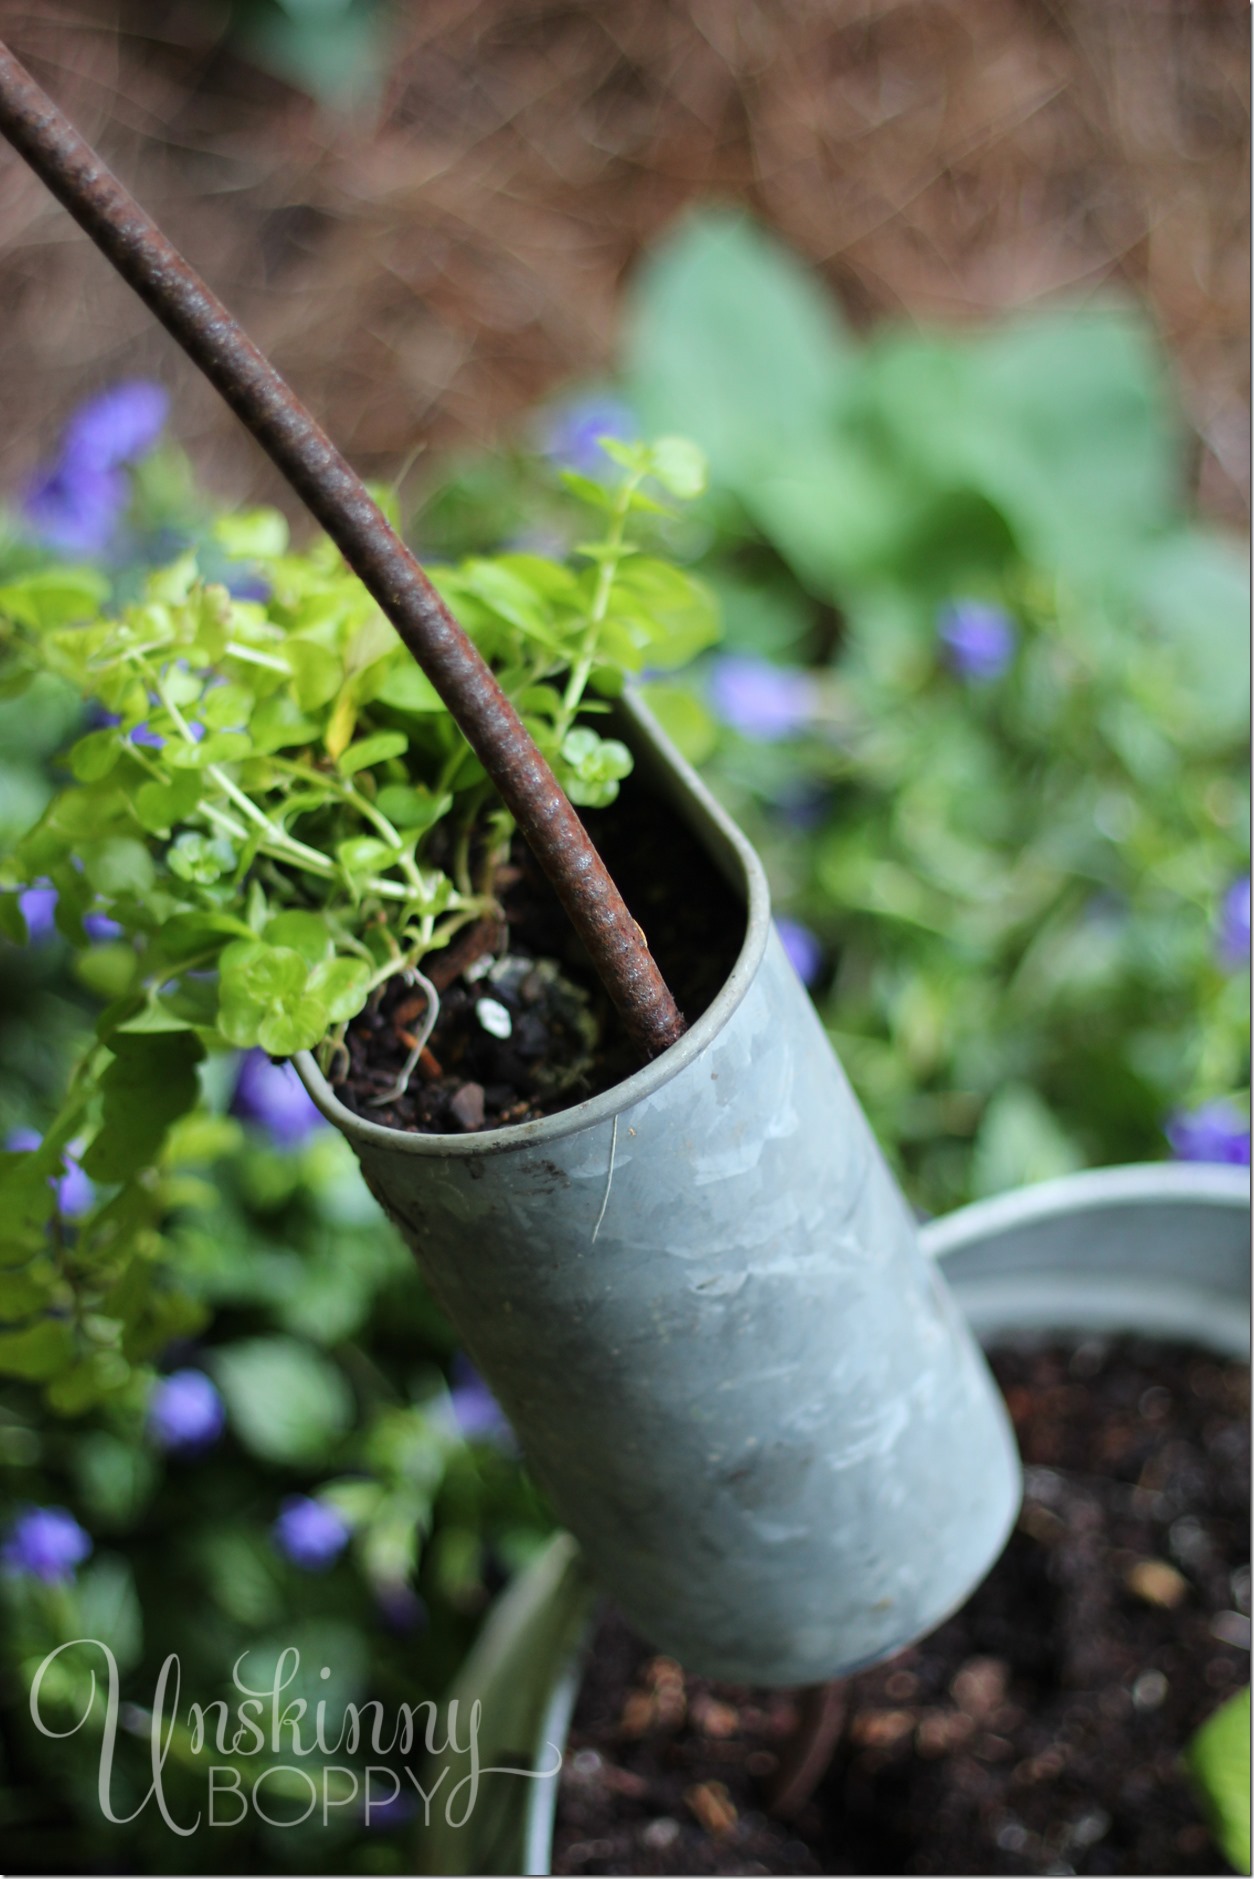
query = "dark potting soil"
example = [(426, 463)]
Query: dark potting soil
[(524, 1027), (1037, 1731)]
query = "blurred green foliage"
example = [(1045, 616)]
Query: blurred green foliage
[(167, 1216), (272, 818), (295, 1296), (1016, 882)]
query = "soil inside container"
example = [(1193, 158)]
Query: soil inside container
[(525, 1028), (1037, 1731)]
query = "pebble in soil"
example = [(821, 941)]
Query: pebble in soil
[(1036, 1732), (524, 1027)]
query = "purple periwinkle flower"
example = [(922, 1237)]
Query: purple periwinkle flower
[(572, 432), (186, 1413), (475, 1410), (400, 1607), (148, 739), (99, 927), (45, 1543), (309, 1533), (75, 1193), (75, 509), (117, 426), (243, 586), (273, 1096), (1215, 1131), (385, 1816), (1233, 938), (759, 699), (802, 807), (804, 948), (76, 503), (979, 639), (39, 906)]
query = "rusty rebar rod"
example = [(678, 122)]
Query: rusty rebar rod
[(340, 502)]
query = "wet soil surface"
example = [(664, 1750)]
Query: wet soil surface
[(1038, 1731), (524, 1027)]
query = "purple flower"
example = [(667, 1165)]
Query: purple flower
[(117, 426), (148, 739), (979, 639), (39, 906), (45, 1543), (311, 1534), (75, 1193), (1233, 938), (241, 585), (475, 1410), (141, 734), (802, 807), (803, 947), (273, 1096), (76, 503), (572, 432), (759, 699), (186, 1413), (1215, 1131), (75, 509), (99, 926), (387, 1815), (400, 1607)]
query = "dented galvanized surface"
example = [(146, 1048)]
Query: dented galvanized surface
[(701, 1301)]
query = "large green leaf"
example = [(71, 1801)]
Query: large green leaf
[(733, 342), (109, 1608), (38, 1351), (1020, 1141), (836, 512), (1195, 587), (54, 597), (287, 1402), (1069, 430), (150, 1083)]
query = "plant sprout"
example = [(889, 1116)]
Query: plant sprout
[(278, 816)]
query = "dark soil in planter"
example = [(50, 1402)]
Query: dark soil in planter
[(1038, 1731), (562, 1041)]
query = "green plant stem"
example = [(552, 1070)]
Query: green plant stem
[(277, 842), (581, 670), (337, 786)]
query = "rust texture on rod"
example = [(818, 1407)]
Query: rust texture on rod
[(338, 499)]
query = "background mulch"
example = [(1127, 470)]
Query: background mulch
[(427, 267)]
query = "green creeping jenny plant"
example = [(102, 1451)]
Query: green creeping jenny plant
[(278, 815)]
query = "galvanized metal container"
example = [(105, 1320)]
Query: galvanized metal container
[(1155, 1251), (701, 1302)]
